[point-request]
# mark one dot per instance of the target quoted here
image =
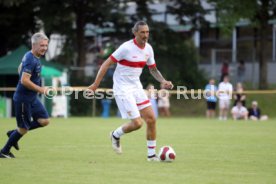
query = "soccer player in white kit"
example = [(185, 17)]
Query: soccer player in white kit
[(130, 97)]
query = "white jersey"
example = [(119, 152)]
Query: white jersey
[(130, 59), (225, 91)]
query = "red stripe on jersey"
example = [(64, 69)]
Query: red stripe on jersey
[(135, 42), (143, 103), (151, 147), (113, 59), (139, 64), (151, 66)]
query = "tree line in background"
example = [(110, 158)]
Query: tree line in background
[(20, 18), (259, 12)]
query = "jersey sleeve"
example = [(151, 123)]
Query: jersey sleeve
[(151, 61), (119, 54), (28, 65)]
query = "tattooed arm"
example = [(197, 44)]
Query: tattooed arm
[(158, 76)]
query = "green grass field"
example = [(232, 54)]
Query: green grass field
[(78, 150)]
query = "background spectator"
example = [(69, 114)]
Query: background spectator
[(225, 90), (255, 112), (152, 95), (224, 70), (164, 103), (239, 95), (211, 99), (239, 112), (241, 71)]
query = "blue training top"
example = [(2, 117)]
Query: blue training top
[(31, 65), (211, 88)]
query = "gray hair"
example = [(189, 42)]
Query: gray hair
[(38, 36), (137, 24)]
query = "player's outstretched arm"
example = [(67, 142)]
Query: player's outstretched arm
[(158, 76), (101, 74), (26, 81)]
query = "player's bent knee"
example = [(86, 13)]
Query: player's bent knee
[(22, 131), (138, 123), (44, 122)]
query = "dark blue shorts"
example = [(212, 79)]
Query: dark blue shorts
[(26, 112), (211, 105)]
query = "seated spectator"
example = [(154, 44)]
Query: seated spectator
[(239, 95), (239, 112), (255, 112)]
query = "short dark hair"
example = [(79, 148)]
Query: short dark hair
[(137, 24)]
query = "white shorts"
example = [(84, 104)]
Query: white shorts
[(224, 104), (163, 103), (130, 104)]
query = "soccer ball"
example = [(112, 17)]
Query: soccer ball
[(166, 154)]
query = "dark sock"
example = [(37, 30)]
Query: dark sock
[(34, 125), (10, 132), (14, 138)]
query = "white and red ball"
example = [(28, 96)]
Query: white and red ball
[(167, 154)]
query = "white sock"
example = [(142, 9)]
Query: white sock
[(118, 132), (151, 144)]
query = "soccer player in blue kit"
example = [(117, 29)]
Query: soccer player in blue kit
[(30, 113)]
